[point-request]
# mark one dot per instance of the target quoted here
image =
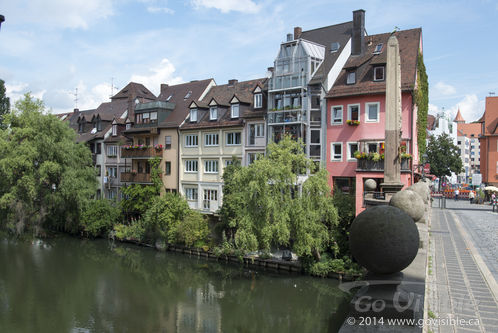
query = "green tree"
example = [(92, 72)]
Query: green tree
[(45, 176), (4, 103), (99, 216), (270, 205), (443, 156)]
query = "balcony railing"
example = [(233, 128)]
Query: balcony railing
[(141, 152), (131, 177), (371, 165)]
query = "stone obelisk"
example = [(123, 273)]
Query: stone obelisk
[(392, 166)]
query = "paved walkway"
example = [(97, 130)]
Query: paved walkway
[(462, 268)]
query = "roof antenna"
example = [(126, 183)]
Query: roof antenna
[(112, 87), (75, 98)]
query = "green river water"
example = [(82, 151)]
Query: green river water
[(72, 285)]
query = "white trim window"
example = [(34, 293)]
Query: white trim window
[(258, 101), (372, 112), (191, 140), (354, 112), (114, 130), (167, 142), (351, 77), (235, 110), (112, 172), (213, 113), (336, 114), (352, 148), (379, 73), (336, 151), (191, 166), (191, 193), (260, 130), (211, 139), (233, 138), (209, 195), (211, 166), (112, 151), (193, 115)]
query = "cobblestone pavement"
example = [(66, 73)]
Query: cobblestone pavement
[(459, 283)]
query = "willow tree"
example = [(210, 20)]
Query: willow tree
[(46, 177), (271, 206)]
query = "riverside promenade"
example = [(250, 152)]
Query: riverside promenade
[(462, 292)]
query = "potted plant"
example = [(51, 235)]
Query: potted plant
[(352, 122)]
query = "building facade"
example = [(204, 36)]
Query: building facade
[(488, 140)]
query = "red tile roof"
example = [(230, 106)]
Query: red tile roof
[(459, 117)]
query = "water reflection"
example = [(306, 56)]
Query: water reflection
[(70, 285)]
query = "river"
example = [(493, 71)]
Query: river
[(71, 285)]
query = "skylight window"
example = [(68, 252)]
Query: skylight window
[(334, 47), (187, 95), (169, 97), (378, 48)]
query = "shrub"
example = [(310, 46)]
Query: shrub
[(99, 217), (194, 230), (133, 231)]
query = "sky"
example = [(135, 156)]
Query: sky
[(53, 48)]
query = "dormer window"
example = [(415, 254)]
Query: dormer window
[(80, 127), (137, 101), (235, 110), (379, 73), (193, 115), (128, 126), (378, 48), (258, 101), (114, 130), (351, 78), (213, 113)]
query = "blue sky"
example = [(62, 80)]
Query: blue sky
[(52, 47)]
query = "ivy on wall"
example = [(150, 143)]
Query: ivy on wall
[(422, 102)]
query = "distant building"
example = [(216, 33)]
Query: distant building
[(488, 140), (468, 142)]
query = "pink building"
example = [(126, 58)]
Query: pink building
[(356, 114)]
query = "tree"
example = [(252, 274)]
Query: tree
[(99, 216), (269, 205), (45, 176), (443, 156), (4, 103)]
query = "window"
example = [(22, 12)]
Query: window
[(111, 194), (379, 73), (336, 115), (114, 130), (228, 162), (167, 168), (256, 131), (233, 138), (260, 130), (191, 193), (372, 112), (378, 48), (336, 151), (251, 157), (187, 95), (193, 115), (112, 172), (211, 166), (153, 117), (351, 78), (352, 148), (372, 147), (213, 113), (211, 139), (98, 149), (354, 112), (167, 142), (128, 126), (191, 165), (112, 151), (258, 101), (97, 167), (191, 140), (81, 126), (235, 111), (209, 195)]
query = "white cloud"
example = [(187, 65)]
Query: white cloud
[(445, 89), (226, 6), (60, 13), (470, 107), (157, 10), (163, 73)]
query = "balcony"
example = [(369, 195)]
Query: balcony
[(148, 152), (131, 177), (371, 165)]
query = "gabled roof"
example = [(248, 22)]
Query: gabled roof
[(409, 43), (135, 90), (176, 94), (337, 33), (491, 116)]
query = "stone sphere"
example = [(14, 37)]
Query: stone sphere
[(422, 189), (409, 202), (384, 239), (370, 184)]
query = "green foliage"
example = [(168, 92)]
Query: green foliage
[(193, 230), (99, 217), (328, 265), (4, 103), (422, 102), (443, 156), (137, 198), (346, 209), (266, 207), (45, 177), (133, 232)]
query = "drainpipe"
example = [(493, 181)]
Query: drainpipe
[(178, 160), (411, 132)]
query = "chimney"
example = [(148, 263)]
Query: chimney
[(76, 110), (232, 82), (271, 69), (297, 32), (289, 37), (163, 86), (358, 34)]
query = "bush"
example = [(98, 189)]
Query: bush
[(132, 232), (99, 217), (194, 230), (328, 265)]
